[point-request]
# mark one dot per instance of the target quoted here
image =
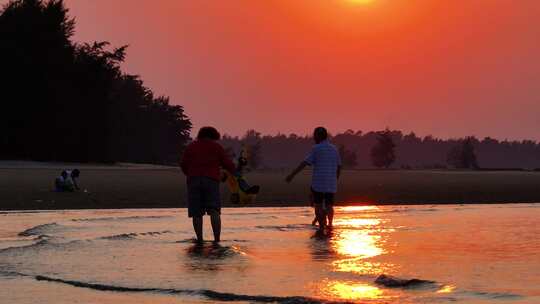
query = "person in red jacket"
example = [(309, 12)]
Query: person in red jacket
[(202, 163)]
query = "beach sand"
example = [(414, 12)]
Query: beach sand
[(29, 185)]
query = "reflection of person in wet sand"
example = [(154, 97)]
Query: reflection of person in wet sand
[(201, 163), (326, 163)]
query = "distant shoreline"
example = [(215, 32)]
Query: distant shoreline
[(262, 206), (23, 164), (131, 186), (20, 164)]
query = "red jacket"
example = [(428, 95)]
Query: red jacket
[(205, 158)]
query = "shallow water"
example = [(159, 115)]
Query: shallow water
[(471, 253)]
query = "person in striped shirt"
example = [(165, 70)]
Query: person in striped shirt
[(326, 162)]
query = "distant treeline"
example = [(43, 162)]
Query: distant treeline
[(67, 101), (411, 151)]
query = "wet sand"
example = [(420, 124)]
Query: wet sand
[(374, 254), (29, 188)]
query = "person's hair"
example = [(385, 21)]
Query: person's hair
[(208, 133), (75, 173), (320, 134)]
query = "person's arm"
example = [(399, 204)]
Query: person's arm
[(300, 167), (309, 161)]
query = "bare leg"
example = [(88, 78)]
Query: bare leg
[(198, 227), (330, 213), (216, 225), (321, 216), (311, 199)]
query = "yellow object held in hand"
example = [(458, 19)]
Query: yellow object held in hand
[(241, 191), (238, 196)]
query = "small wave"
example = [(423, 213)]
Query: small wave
[(393, 282), (25, 212), (399, 210), (126, 218), (41, 242), (123, 236), (188, 241), (194, 241), (25, 238), (495, 295), (286, 227), (11, 274), (133, 235), (210, 294), (214, 252), (41, 229), (45, 241)]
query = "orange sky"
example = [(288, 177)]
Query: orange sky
[(447, 68)]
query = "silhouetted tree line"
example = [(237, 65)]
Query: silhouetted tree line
[(392, 148), (71, 102), (463, 156), (348, 157), (383, 153), (252, 143)]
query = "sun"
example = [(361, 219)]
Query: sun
[(361, 1)]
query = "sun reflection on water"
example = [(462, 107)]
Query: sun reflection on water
[(350, 291), (356, 222), (359, 266), (446, 289), (357, 243), (357, 208), (357, 240), (356, 237)]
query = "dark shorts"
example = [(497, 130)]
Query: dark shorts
[(320, 198), (203, 196)]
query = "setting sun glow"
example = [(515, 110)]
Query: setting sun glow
[(361, 1)]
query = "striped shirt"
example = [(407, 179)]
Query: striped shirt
[(324, 158)]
